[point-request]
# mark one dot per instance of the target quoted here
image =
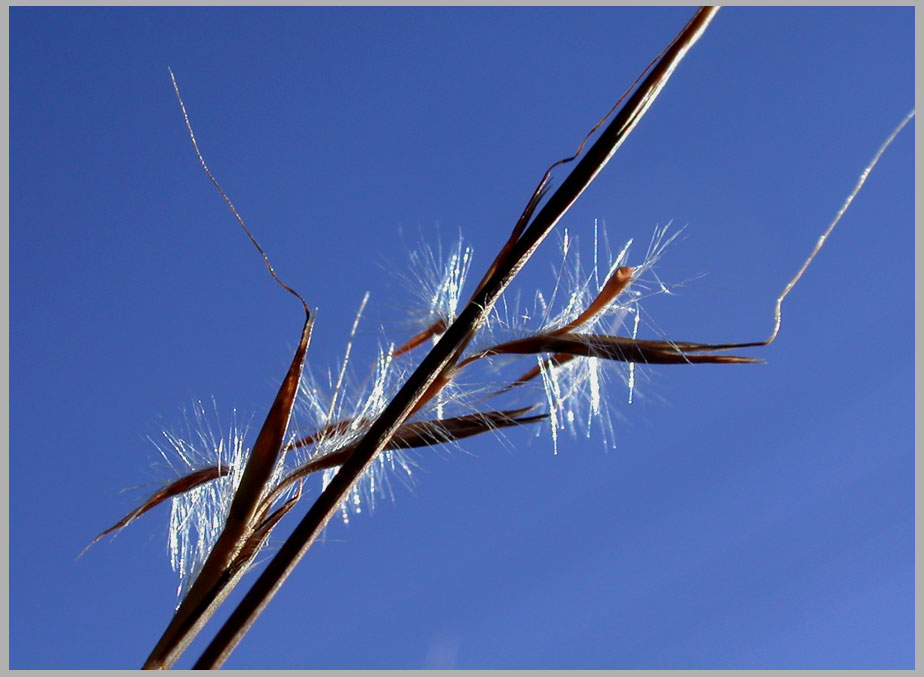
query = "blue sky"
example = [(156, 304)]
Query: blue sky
[(744, 516)]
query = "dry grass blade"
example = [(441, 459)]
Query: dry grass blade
[(175, 488), (332, 429), (212, 583), (426, 433), (622, 349), (447, 351), (613, 287), (219, 572), (268, 446), (411, 435)]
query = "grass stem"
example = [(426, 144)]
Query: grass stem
[(446, 352)]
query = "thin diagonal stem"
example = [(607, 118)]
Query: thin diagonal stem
[(446, 352)]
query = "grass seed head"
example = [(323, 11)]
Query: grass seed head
[(197, 516)]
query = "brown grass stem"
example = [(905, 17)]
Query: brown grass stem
[(447, 351)]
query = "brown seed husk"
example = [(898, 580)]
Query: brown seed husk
[(416, 434), (623, 349), (175, 488)]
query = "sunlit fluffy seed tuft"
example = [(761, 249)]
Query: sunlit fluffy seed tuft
[(338, 416), (576, 390), (198, 515), (439, 276)]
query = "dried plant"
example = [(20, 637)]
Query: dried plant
[(228, 499)]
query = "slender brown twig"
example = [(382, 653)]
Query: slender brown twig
[(450, 346)]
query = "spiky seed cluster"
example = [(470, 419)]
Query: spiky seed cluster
[(576, 392), (597, 299), (572, 370), (197, 516), (441, 280), (563, 336), (341, 418)]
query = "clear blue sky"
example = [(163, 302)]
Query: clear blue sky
[(747, 516)]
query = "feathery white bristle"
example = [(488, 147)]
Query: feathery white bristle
[(197, 516), (576, 392), (438, 281)]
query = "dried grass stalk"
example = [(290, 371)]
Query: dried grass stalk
[(447, 351), (255, 509)]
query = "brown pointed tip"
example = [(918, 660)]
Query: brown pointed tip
[(434, 329), (613, 287), (622, 349), (175, 488)]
